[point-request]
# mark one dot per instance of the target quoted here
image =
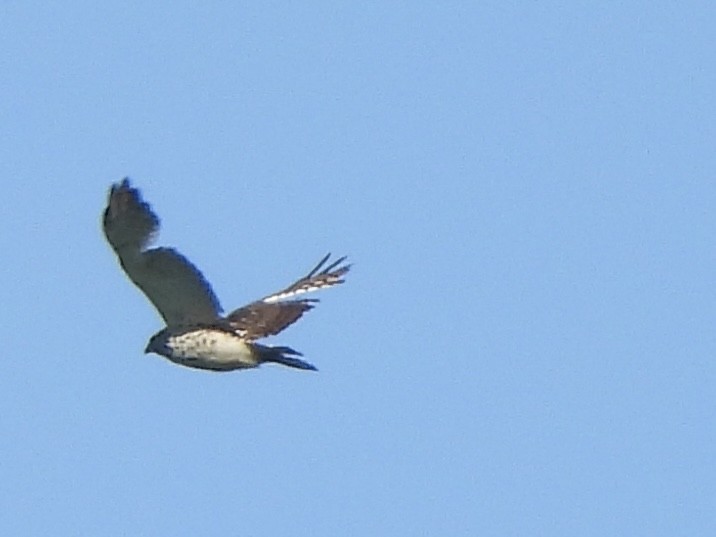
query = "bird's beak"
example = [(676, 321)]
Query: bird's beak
[(148, 348)]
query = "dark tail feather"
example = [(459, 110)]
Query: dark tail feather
[(283, 356)]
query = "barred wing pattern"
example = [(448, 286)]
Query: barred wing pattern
[(170, 281), (273, 313), (313, 281)]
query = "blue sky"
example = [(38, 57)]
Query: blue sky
[(524, 347)]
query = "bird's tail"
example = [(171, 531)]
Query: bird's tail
[(281, 355)]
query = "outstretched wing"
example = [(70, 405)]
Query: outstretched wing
[(273, 313), (170, 281), (259, 319)]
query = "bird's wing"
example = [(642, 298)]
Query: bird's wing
[(259, 319), (273, 313), (170, 281), (319, 278)]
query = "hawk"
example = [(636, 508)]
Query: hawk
[(197, 334)]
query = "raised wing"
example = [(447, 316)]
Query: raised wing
[(273, 313), (170, 281)]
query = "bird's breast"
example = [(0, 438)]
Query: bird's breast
[(211, 349)]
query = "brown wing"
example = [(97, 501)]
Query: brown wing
[(259, 319), (170, 281), (273, 313)]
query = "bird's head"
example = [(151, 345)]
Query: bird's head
[(158, 344)]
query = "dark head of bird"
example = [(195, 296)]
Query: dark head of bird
[(158, 344)]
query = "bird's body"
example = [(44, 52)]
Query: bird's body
[(204, 347), (218, 349), (196, 334)]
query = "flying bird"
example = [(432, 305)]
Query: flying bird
[(196, 333)]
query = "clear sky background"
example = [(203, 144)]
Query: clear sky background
[(524, 347)]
